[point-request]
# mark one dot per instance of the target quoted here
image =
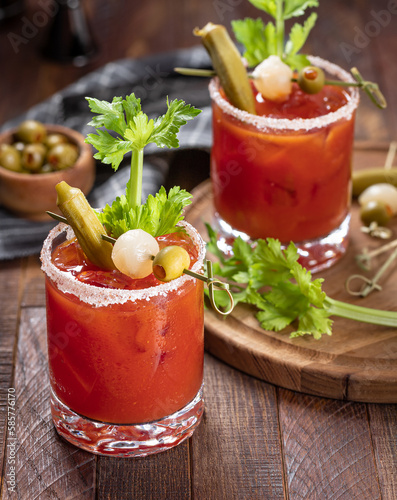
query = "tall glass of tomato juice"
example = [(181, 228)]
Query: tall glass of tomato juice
[(125, 365), (286, 173)]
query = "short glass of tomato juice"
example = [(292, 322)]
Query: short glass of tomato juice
[(125, 356), (285, 172)]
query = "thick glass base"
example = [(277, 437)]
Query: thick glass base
[(124, 440), (315, 255)]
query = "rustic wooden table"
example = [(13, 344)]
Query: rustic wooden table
[(256, 441)]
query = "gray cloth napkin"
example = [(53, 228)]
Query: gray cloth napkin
[(152, 79)]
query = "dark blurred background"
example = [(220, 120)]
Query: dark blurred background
[(359, 33)]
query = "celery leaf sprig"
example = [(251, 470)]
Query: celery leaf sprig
[(262, 40), (282, 290), (121, 128)]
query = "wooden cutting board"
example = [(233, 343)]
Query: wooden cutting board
[(357, 363)]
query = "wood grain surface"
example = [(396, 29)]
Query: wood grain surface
[(358, 362)]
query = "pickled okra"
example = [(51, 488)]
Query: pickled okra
[(85, 224), (228, 66), (362, 179)]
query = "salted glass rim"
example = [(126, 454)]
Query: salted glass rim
[(101, 297), (265, 123)]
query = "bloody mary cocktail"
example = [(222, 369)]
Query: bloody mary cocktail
[(123, 352), (285, 172)]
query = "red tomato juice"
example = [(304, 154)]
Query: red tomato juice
[(289, 184), (130, 362)]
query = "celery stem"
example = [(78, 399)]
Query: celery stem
[(280, 29), (136, 178), (359, 313)]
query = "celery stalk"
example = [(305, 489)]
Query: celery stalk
[(359, 313), (135, 191), (280, 29)]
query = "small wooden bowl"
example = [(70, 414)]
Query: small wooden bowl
[(31, 195)]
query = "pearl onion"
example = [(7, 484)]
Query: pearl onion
[(383, 192), (133, 253), (272, 78)]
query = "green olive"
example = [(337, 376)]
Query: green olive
[(31, 131), (10, 157), (311, 79), (362, 179), (45, 169), (33, 157), (375, 211), (54, 139), (62, 156), (19, 146), (170, 262)]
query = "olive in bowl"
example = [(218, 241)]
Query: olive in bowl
[(34, 161)]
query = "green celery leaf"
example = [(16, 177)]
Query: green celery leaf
[(268, 6), (271, 318), (110, 150), (240, 277), (167, 126), (314, 322), (110, 115), (131, 106), (257, 39), (310, 289), (239, 263), (272, 265), (114, 217), (260, 40), (171, 209), (294, 8), (139, 130), (297, 62), (242, 252), (271, 278), (298, 35), (287, 296), (159, 215), (212, 244)]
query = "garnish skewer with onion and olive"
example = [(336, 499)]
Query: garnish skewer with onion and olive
[(274, 56), (137, 254), (311, 79)]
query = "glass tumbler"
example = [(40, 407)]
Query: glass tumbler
[(284, 178), (125, 366)]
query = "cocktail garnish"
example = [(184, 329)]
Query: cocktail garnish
[(170, 262), (282, 290), (211, 282), (227, 65), (273, 79), (133, 131), (133, 253), (261, 41), (85, 224), (311, 79), (370, 88)]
